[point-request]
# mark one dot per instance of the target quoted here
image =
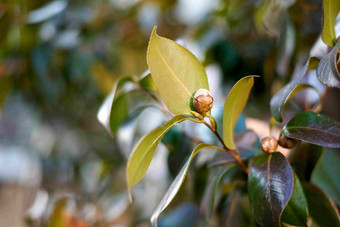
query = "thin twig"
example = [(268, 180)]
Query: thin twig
[(236, 157)]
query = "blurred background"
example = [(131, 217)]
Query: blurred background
[(60, 59)]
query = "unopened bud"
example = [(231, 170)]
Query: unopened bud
[(269, 144), (203, 101), (286, 142)]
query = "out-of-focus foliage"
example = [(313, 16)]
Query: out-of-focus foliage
[(60, 59)]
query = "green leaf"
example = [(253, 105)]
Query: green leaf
[(304, 159), (326, 174), (214, 187), (278, 101), (327, 71), (177, 183), (144, 151), (314, 128), (270, 185), (331, 9), (176, 72), (233, 107), (147, 83), (127, 105), (321, 208), (296, 211)]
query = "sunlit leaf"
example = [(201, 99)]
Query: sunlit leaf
[(177, 183), (326, 174), (278, 101), (176, 72), (314, 128), (296, 211), (144, 151), (270, 185), (327, 71), (331, 8), (321, 208), (233, 106)]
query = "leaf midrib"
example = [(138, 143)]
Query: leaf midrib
[(172, 72)]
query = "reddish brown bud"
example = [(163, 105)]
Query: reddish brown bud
[(203, 101), (269, 144), (286, 142)]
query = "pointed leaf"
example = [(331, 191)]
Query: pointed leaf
[(331, 9), (270, 185), (144, 151), (233, 106), (105, 110), (278, 101), (177, 183), (327, 71), (296, 211), (321, 208), (315, 129), (176, 72)]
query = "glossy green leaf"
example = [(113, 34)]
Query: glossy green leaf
[(326, 174), (314, 128), (144, 151), (331, 9), (321, 208), (177, 183), (176, 72), (304, 159), (296, 211), (327, 71), (278, 101), (233, 106), (270, 186)]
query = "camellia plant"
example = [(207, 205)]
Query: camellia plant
[(278, 190)]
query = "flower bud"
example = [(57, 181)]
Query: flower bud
[(269, 144), (203, 101), (286, 142)]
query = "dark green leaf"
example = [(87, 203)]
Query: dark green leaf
[(304, 159), (177, 183), (296, 211), (327, 71), (321, 208), (314, 128), (270, 186), (326, 174), (278, 101)]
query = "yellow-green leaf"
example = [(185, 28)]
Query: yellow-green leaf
[(331, 9), (233, 107), (144, 151), (176, 72)]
